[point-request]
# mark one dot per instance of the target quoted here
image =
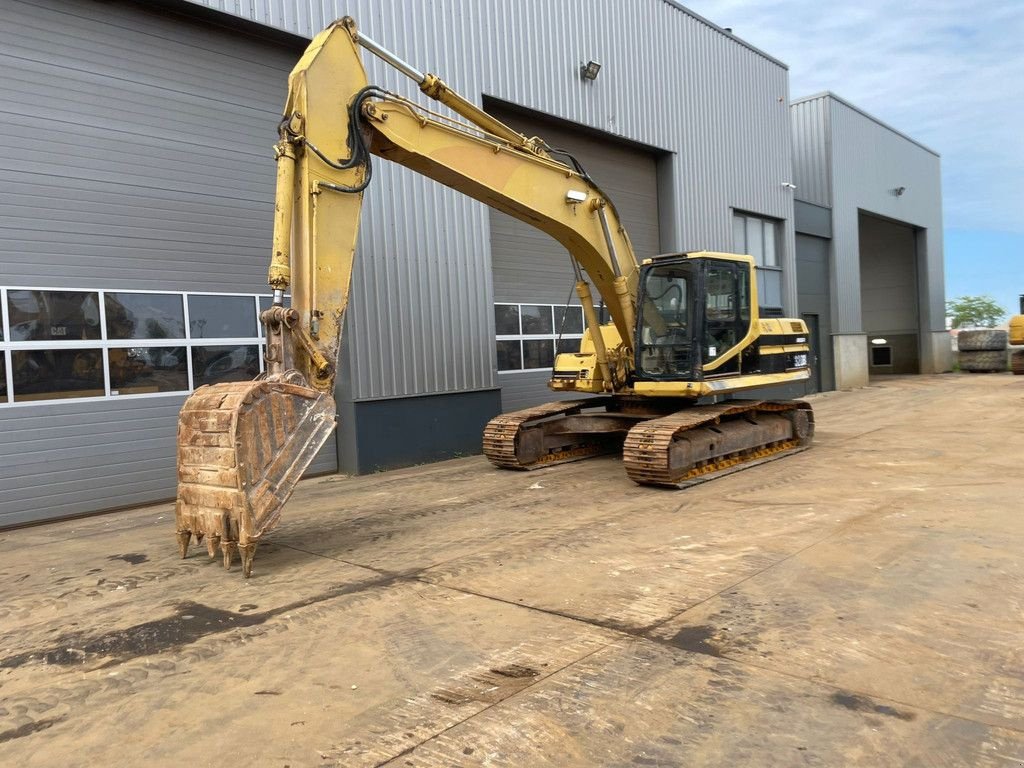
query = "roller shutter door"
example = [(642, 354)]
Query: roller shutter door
[(137, 157), (533, 271)]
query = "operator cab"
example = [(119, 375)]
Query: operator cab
[(682, 336)]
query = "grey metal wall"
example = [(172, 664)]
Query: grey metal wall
[(864, 161), (670, 80), (140, 162)]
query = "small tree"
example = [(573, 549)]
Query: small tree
[(974, 311)]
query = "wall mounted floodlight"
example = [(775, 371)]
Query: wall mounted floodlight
[(789, 185), (898, 192), (878, 342), (590, 70)]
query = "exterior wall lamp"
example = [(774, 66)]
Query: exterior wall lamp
[(590, 70)]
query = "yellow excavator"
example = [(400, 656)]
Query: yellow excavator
[(684, 328), (1017, 339)]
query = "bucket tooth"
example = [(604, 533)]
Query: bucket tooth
[(184, 537), (211, 545), (228, 549), (248, 553)]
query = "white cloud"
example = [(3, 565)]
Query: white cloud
[(949, 74)]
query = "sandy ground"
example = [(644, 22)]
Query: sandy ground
[(861, 603)]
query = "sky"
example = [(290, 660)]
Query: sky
[(950, 75)]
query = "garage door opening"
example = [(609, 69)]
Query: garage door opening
[(889, 295)]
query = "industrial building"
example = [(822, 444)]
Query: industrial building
[(137, 199)]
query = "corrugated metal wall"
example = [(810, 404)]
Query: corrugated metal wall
[(669, 80), (811, 158), (141, 161), (852, 162)]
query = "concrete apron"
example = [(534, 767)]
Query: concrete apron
[(856, 604)]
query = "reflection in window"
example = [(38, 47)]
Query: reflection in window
[(221, 317), (567, 346), (506, 319), (211, 365), (144, 316), (538, 353), (139, 370), (536, 319), (769, 288), (57, 373), (510, 357), (53, 315), (568, 319), (560, 326)]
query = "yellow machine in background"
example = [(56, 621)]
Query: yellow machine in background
[(1017, 339), (682, 326)]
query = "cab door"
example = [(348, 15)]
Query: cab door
[(726, 306)]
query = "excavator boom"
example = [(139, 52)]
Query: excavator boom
[(242, 446)]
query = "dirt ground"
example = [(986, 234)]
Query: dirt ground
[(861, 603)]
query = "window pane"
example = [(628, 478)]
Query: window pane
[(137, 370), (221, 317), (3, 378), (506, 320), (510, 357), (720, 286), (52, 373), (144, 316), (573, 319), (213, 364), (567, 346), (769, 286), (755, 242), (538, 353), (60, 315), (739, 234), (537, 319), (770, 230)]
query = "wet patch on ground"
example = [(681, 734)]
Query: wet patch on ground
[(189, 622), (134, 558), (29, 728), (858, 703), (697, 639)]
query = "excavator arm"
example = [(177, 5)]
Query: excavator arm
[(242, 446)]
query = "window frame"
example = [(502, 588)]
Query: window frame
[(105, 344), (759, 267), (553, 337)]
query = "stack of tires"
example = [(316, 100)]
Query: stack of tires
[(982, 351)]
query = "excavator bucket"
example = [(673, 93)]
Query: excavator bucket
[(242, 447)]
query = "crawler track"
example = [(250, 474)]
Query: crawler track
[(704, 442), (543, 435), (689, 446)]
